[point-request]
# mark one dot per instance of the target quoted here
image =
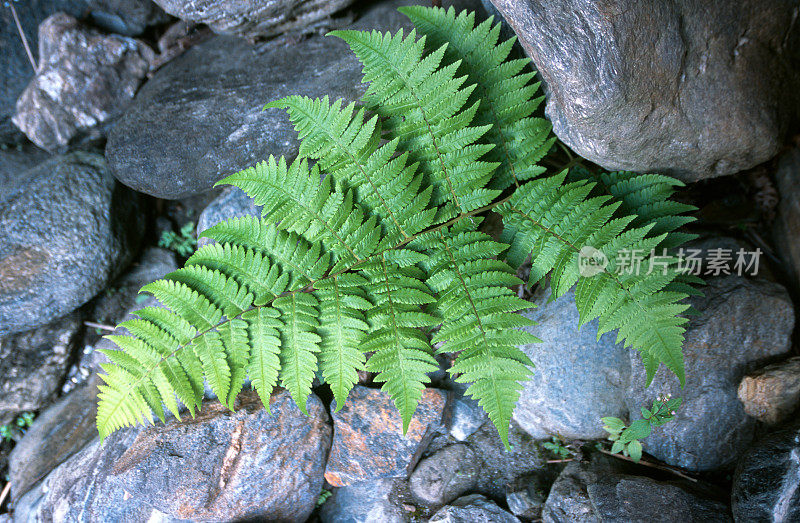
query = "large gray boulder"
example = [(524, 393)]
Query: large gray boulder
[(695, 89), (85, 78), (373, 501), (200, 117), (64, 234), (253, 18), (742, 323), (218, 466), (577, 379)]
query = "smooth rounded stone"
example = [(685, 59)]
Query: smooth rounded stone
[(606, 490), (368, 440), (200, 117), (766, 486), (33, 365), (577, 379), (17, 70), (85, 78), (445, 475), (772, 394), (253, 19), (499, 467), (466, 418), (63, 236), (741, 323), (233, 202), (471, 509), (786, 227), (373, 501), (225, 465), (126, 17), (694, 89), (15, 160), (84, 488), (57, 433)]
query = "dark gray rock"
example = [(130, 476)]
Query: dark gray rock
[(227, 466), (33, 365), (200, 117), (786, 228), (368, 439), (122, 294), (57, 433), (15, 160), (693, 89), (445, 475), (63, 236), (253, 18), (85, 78), (231, 203), (126, 17), (83, 488), (499, 467), (603, 490), (367, 502), (741, 324), (526, 496), (766, 486), (577, 379), (473, 508), (16, 69)]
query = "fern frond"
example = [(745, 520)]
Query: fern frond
[(508, 99), (342, 329), (423, 107), (477, 308), (402, 353), (264, 327), (299, 344), (554, 221)]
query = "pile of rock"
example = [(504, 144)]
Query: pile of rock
[(698, 91)]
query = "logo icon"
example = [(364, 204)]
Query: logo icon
[(591, 261)]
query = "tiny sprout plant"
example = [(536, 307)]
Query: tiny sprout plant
[(183, 243), (627, 439), (557, 447), (10, 432)]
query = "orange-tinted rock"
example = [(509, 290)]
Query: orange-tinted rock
[(368, 440), (771, 394)]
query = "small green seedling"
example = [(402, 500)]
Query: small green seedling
[(557, 447), (627, 439), (183, 242)]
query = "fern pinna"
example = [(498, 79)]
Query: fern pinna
[(369, 245)]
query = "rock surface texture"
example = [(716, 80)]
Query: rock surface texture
[(766, 486), (772, 394), (577, 380), (200, 117), (126, 17), (33, 365), (231, 203), (741, 324), (63, 236), (253, 18), (370, 501), (226, 466), (786, 228), (16, 70), (84, 79), (601, 490), (694, 89), (368, 440), (473, 508)]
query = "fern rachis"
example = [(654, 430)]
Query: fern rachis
[(369, 243)]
